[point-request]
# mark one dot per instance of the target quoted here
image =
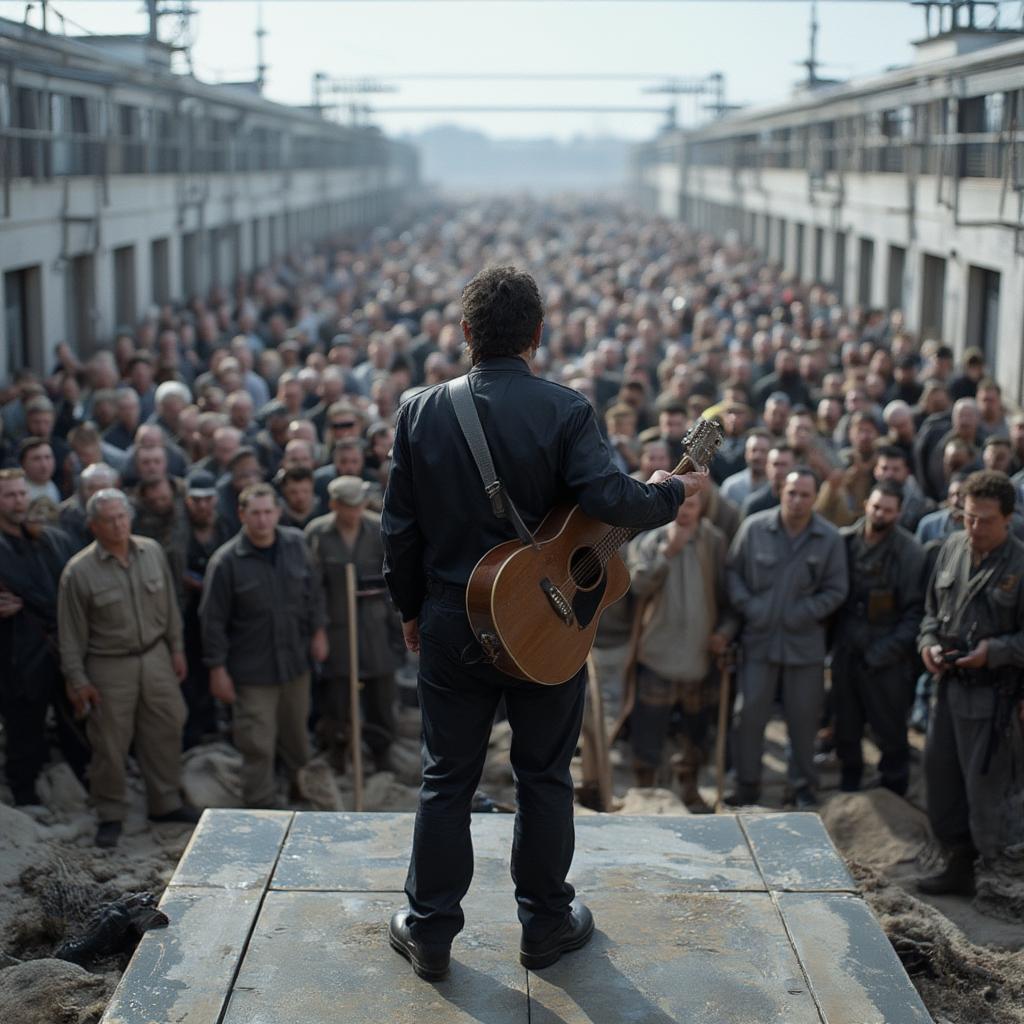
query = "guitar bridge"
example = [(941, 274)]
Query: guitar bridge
[(491, 646), (558, 601)]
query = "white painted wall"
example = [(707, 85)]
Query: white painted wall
[(53, 221), (890, 209)]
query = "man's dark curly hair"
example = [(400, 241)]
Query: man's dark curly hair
[(989, 483), (503, 308)]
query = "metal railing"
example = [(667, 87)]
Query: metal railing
[(41, 154), (975, 154)]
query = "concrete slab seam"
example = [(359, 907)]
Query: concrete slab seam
[(240, 959), (753, 853), (774, 896)]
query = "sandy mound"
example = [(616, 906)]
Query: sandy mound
[(61, 792), (875, 827), (1000, 887), (19, 843), (211, 776), (315, 783), (651, 801), (52, 992), (959, 982)]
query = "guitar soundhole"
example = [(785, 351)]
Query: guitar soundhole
[(585, 568)]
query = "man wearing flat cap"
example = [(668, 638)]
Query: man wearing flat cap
[(351, 533)]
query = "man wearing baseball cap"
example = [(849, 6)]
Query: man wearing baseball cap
[(351, 533)]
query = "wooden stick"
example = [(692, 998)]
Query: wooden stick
[(596, 765), (629, 672), (723, 725), (355, 727)]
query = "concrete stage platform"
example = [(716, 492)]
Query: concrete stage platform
[(279, 918)]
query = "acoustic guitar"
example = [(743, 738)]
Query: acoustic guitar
[(535, 609)]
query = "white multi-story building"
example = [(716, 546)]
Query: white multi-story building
[(124, 185), (901, 191)]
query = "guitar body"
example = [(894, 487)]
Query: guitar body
[(536, 609)]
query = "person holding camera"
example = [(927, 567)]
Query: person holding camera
[(972, 640)]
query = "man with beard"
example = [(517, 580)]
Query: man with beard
[(873, 659), (786, 378), (737, 487), (31, 561), (780, 464)]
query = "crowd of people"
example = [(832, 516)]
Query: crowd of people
[(178, 509)]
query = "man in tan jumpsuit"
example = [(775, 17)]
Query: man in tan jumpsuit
[(122, 655)]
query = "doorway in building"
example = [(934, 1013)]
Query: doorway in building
[(160, 270), (865, 271), (81, 304), (23, 320), (897, 273), (983, 313), (124, 286), (839, 266), (933, 294)]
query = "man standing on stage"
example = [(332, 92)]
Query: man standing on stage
[(546, 448)]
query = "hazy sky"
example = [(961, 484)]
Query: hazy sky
[(756, 44)]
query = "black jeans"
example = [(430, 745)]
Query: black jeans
[(458, 699), (880, 698), (25, 699)]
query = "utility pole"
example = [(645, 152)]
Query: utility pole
[(261, 32)]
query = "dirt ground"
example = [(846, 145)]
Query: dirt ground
[(968, 965)]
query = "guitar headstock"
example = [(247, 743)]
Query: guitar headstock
[(702, 440)]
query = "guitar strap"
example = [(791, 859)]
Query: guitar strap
[(469, 420)]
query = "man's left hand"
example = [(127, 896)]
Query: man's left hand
[(318, 647), (179, 664), (717, 643), (411, 632), (978, 658)]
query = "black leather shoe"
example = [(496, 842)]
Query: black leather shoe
[(108, 834), (184, 814), (573, 934), (428, 962), (956, 877)]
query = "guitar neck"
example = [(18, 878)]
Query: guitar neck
[(619, 535), (686, 465)]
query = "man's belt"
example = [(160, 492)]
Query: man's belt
[(133, 652), (446, 591)]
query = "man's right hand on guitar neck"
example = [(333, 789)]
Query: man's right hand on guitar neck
[(694, 482)]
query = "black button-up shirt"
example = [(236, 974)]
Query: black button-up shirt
[(547, 449)]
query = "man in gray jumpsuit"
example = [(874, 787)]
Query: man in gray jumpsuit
[(972, 639), (786, 574)]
